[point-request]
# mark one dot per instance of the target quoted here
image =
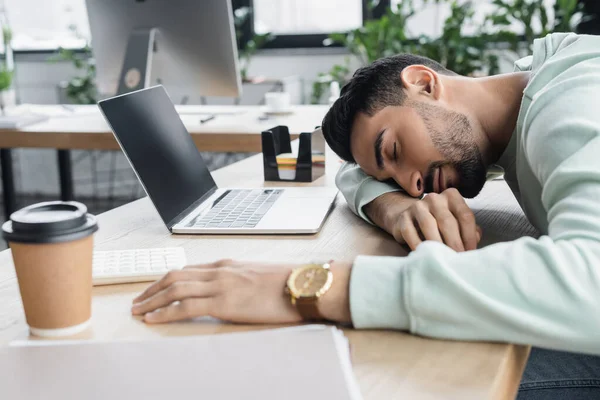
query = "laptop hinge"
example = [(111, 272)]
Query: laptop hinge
[(191, 208)]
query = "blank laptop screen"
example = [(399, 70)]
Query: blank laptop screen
[(160, 150)]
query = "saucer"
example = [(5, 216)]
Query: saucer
[(283, 111)]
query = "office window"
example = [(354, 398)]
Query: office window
[(296, 17), (307, 23), (47, 24)]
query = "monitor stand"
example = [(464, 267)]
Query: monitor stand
[(137, 65)]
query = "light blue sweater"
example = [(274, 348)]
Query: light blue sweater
[(543, 292)]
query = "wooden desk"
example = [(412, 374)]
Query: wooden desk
[(388, 365), (234, 129)]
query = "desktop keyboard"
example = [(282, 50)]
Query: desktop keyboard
[(128, 266), (239, 208)]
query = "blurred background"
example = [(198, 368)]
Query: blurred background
[(299, 46)]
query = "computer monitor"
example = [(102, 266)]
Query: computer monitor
[(181, 44)]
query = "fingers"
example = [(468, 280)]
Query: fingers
[(409, 232), (178, 291), (444, 218), (185, 309), (174, 276), (447, 224), (450, 229), (427, 223), (466, 220)]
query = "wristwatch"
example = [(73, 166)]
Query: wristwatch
[(306, 285)]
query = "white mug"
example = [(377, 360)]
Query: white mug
[(277, 101)]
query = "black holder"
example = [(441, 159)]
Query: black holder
[(277, 141)]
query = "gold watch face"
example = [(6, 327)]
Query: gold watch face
[(310, 281)]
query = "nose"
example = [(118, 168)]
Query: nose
[(414, 184)]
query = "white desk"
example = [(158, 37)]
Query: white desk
[(234, 129)]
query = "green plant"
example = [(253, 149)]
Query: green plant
[(389, 35), (80, 89), (375, 39), (247, 49), (461, 53), (380, 37), (531, 13), (453, 48), (6, 74), (338, 73)]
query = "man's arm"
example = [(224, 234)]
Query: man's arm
[(387, 208), (543, 292), (359, 190), (443, 218)]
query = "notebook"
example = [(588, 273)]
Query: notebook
[(290, 363)]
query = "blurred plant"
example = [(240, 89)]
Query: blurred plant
[(8, 64), (80, 89), (338, 73), (6, 70), (459, 52), (563, 16), (378, 37), (590, 22), (247, 49), (389, 35), (465, 54)]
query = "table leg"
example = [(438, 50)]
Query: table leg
[(8, 182), (66, 175)]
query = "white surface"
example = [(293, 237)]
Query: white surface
[(277, 101), (140, 265), (53, 333), (20, 120), (292, 364)]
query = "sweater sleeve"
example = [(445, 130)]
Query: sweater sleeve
[(360, 189)]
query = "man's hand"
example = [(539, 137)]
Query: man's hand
[(237, 292), (443, 217)]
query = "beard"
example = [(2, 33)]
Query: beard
[(452, 135)]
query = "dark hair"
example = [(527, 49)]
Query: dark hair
[(371, 89)]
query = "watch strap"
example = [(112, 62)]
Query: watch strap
[(308, 309)]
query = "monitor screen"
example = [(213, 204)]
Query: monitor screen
[(160, 150)]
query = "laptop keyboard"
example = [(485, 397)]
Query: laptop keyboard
[(239, 208)]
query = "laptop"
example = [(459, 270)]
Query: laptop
[(182, 189)]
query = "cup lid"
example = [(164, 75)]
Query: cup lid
[(50, 222)]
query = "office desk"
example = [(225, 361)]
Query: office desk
[(234, 129), (388, 365)]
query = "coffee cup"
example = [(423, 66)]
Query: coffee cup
[(277, 102), (52, 249)]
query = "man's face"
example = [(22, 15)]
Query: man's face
[(423, 147)]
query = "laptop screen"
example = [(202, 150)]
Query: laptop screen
[(160, 150)]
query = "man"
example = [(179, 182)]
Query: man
[(410, 124)]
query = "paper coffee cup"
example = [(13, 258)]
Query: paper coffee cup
[(52, 249), (277, 101)]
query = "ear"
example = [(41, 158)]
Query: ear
[(420, 80)]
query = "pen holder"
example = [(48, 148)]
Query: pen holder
[(281, 165)]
